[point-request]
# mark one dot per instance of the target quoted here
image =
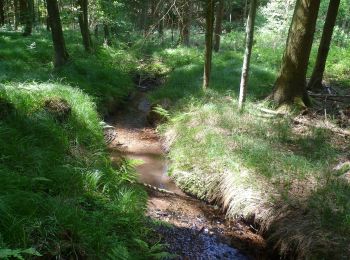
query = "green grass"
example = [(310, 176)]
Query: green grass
[(59, 195), (58, 191), (273, 170), (104, 75)]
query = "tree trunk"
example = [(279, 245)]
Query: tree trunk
[(107, 37), (28, 17), (185, 23), (323, 50), (2, 12), (247, 53), (291, 82), (218, 25), (16, 14), (84, 24), (209, 16), (61, 54)]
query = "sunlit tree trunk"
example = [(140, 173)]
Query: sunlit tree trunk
[(61, 54), (84, 24), (209, 17), (247, 53), (323, 50), (218, 24), (290, 85)]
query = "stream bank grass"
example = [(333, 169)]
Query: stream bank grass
[(59, 196), (270, 172)]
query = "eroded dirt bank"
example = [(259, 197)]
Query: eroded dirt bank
[(195, 230)]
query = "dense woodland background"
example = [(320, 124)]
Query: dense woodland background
[(267, 141)]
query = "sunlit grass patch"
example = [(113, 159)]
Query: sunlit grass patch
[(259, 168)]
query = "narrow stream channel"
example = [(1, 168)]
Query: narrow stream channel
[(198, 230)]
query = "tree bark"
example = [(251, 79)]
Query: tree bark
[(2, 12), (16, 14), (84, 24), (218, 24), (185, 23), (323, 50), (291, 82), (247, 53), (209, 16), (28, 17), (61, 54)]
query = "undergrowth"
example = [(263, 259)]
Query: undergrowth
[(59, 196), (273, 173), (104, 75)]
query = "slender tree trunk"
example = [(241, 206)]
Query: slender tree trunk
[(61, 54), (210, 4), (2, 12), (107, 36), (28, 17), (323, 50), (247, 53), (290, 86), (185, 23), (84, 24), (218, 25)]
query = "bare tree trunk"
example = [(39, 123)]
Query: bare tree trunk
[(290, 85), (218, 25), (61, 54), (210, 4), (28, 17), (2, 12), (107, 36), (247, 53), (185, 23), (323, 50), (84, 24)]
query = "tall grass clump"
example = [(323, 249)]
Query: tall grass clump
[(59, 195)]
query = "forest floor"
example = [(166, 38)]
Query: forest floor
[(190, 227)]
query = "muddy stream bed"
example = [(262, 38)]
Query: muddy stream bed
[(196, 229)]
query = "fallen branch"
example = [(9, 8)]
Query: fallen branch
[(336, 130), (328, 95)]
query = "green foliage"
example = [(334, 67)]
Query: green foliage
[(104, 74), (58, 191), (17, 253)]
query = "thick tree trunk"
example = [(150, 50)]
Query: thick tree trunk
[(84, 24), (61, 54), (209, 16), (28, 17), (2, 12), (218, 24), (291, 82), (247, 53), (323, 50)]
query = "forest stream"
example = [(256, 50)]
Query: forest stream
[(196, 230)]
